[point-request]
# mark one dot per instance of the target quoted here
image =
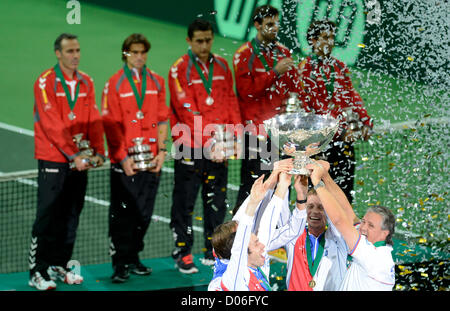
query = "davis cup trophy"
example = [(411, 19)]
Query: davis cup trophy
[(141, 154), (301, 135)]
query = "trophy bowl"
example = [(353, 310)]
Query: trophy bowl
[(301, 135)]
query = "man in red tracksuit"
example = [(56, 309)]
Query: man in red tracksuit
[(265, 76), (201, 96), (64, 107), (328, 89), (133, 106)]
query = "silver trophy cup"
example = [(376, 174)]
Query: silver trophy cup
[(85, 150), (354, 123), (141, 154), (301, 135), (224, 142)]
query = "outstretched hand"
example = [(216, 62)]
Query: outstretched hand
[(258, 190), (280, 166), (318, 171)]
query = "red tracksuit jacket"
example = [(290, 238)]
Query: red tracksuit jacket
[(188, 99), (315, 95), (119, 109), (261, 93), (53, 129)]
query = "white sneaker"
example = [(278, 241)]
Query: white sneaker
[(61, 274), (207, 261), (40, 283)]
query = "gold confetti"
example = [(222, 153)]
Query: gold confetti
[(405, 272), (361, 45), (199, 218), (410, 58), (364, 159), (422, 240)]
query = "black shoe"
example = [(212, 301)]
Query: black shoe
[(140, 269), (121, 274), (186, 264)]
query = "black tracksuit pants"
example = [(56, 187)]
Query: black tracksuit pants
[(190, 174), (130, 213), (61, 194)]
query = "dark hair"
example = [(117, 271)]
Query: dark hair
[(199, 24), (317, 27), (264, 11), (68, 36), (388, 221), (223, 238), (135, 38)]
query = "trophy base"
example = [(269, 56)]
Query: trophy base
[(300, 163), (299, 171), (144, 166)]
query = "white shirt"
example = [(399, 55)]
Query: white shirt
[(372, 268), (237, 275), (332, 267)]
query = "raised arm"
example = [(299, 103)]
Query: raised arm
[(234, 277), (296, 223), (337, 192), (332, 207)]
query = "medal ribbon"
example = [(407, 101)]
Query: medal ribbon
[(261, 57), (206, 83), (313, 265), (60, 75), (379, 243), (265, 281), (329, 84), (139, 99)]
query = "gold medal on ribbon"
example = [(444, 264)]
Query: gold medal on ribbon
[(140, 115), (71, 116), (312, 283)]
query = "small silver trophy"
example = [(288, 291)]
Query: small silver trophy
[(353, 121), (293, 104), (224, 143), (85, 150), (301, 135), (141, 154)]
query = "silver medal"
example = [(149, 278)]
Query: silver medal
[(71, 116), (209, 100), (140, 115)]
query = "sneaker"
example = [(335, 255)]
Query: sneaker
[(58, 273), (121, 274), (41, 281), (186, 264), (278, 255), (208, 260), (140, 269)]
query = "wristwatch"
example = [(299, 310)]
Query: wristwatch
[(320, 184), (302, 201)]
